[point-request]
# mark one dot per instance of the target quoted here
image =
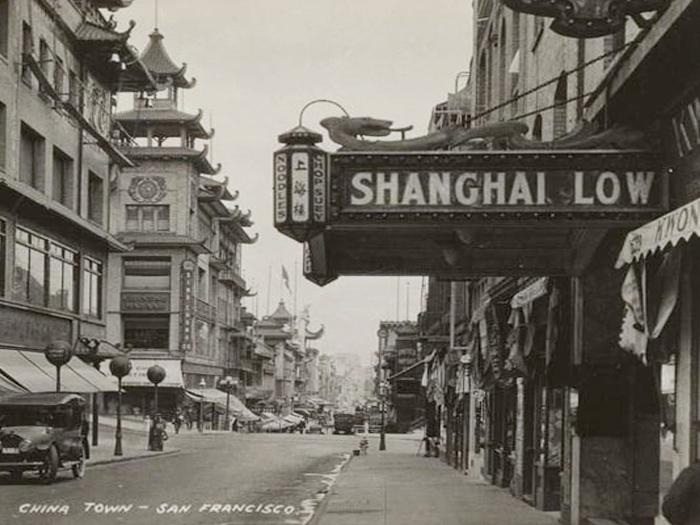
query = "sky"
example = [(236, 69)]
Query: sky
[(257, 62)]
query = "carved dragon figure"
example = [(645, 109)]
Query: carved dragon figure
[(346, 130)]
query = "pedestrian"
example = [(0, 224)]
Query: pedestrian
[(188, 420), (177, 422), (234, 425), (157, 434), (681, 504)]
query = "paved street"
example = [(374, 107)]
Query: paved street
[(215, 479)]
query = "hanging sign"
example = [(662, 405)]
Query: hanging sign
[(430, 186)]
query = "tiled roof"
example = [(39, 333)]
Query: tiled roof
[(158, 61), (88, 31)]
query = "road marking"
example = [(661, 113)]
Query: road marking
[(309, 506)]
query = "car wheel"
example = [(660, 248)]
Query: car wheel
[(79, 467), (47, 472)]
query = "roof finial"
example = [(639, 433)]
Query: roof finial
[(156, 12)]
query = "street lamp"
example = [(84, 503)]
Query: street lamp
[(202, 385), (382, 334), (227, 385), (58, 353), (120, 366), (382, 394), (155, 375)]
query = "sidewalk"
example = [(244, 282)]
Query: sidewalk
[(133, 447), (396, 487)]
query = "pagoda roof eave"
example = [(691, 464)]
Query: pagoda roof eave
[(166, 122), (197, 157)]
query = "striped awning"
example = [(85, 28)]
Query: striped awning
[(679, 224)]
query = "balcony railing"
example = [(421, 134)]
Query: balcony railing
[(205, 311), (232, 276)]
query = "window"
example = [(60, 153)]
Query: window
[(92, 287), (3, 134), (45, 272), (59, 75), (482, 94), (613, 44), (559, 115), (63, 267), (3, 255), (202, 337), (95, 198), (147, 274), (537, 128), (62, 178), (146, 331), (31, 158), (4, 27), (44, 55), (538, 27), (144, 218), (27, 49), (73, 90), (31, 255)]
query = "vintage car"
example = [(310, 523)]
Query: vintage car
[(346, 423), (43, 432)]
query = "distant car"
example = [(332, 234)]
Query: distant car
[(43, 432), (345, 423), (314, 427)]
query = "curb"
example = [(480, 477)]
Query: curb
[(321, 509), (124, 459)]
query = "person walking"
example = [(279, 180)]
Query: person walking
[(681, 505)]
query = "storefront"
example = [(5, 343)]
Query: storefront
[(139, 393), (458, 215)]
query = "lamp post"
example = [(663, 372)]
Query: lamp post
[(202, 384), (155, 375), (119, 366), (58, 353), (382, 334), (226, 385)]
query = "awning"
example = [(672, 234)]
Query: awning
[(139, 368), (293, 419), (681, 223), (8, 386), (412, 367), (212, 395), (34, 373), (530, 293)]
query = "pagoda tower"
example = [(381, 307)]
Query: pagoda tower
[(177, 295)]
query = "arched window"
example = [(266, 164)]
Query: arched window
[(559, 112), (537, 128)]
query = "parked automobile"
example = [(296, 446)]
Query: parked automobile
[(345, 423), (43, 432)]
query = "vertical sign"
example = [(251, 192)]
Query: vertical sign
[(186, 305), (300, 186), (280, 188), (319, 187)]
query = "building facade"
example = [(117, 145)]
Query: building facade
[(61, 64), (580, 391), (175, 297)]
